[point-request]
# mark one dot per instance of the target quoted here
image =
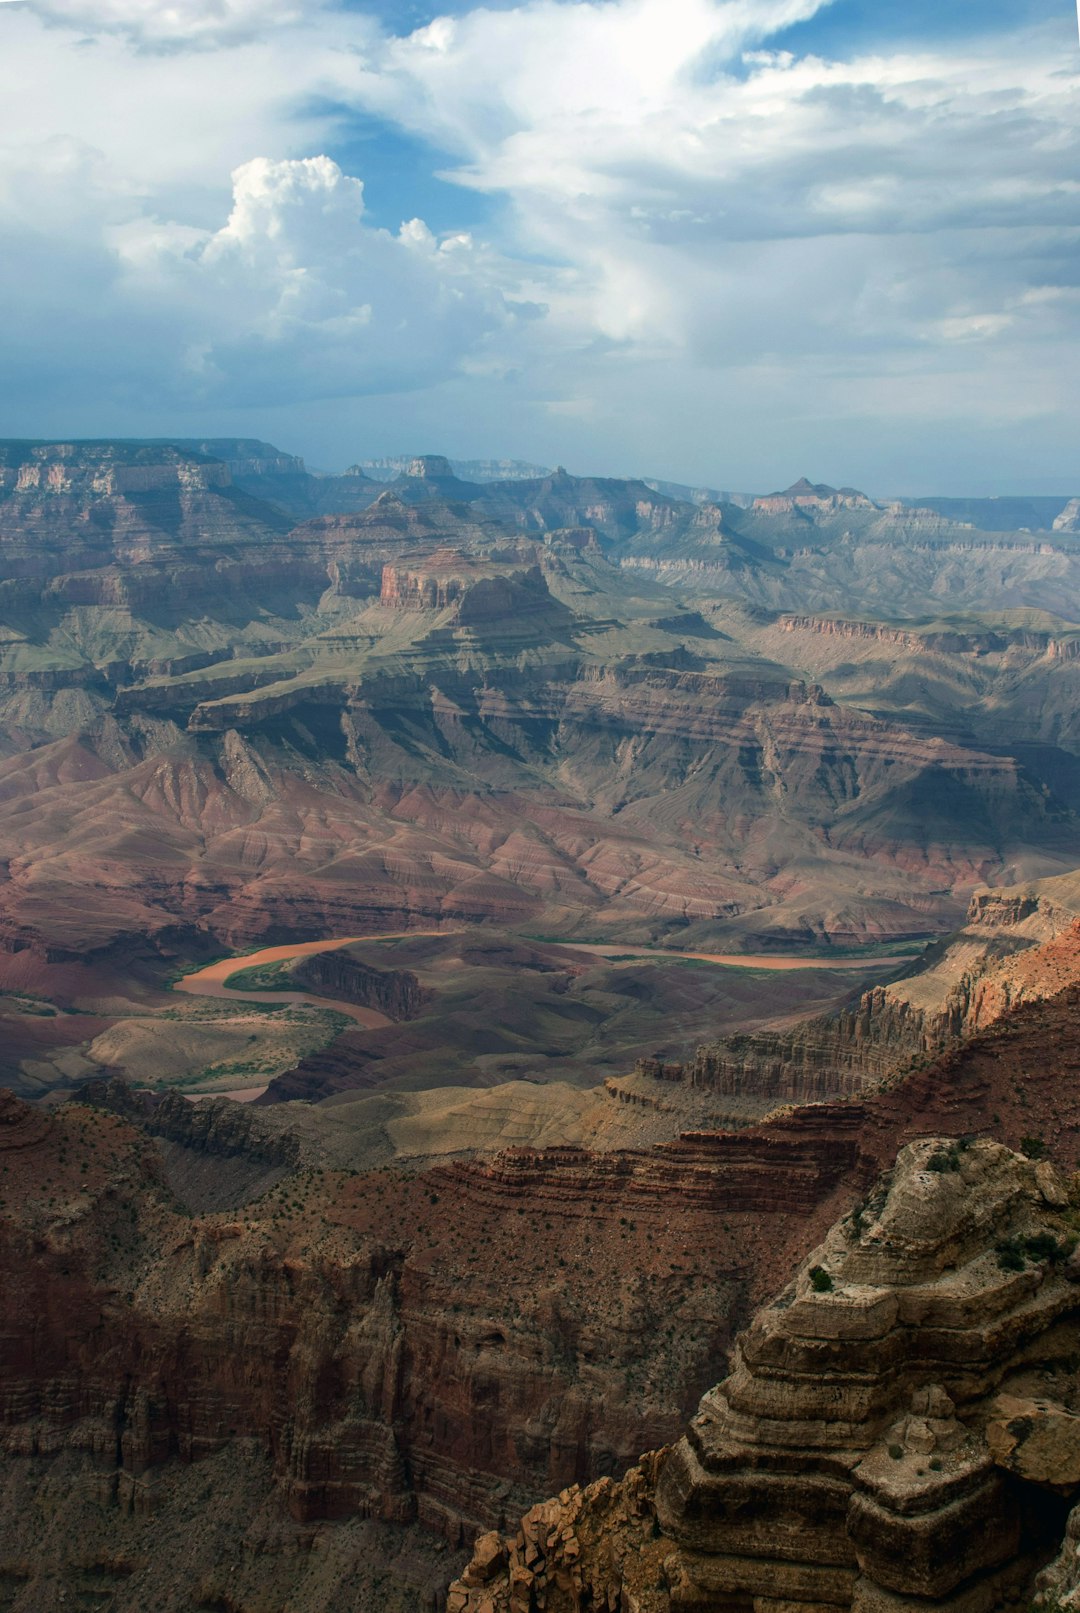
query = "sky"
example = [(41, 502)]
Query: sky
[(725, 242)]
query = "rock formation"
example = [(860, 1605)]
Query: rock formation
[(1016, 947), (340, 974), (493, 589), (228, 738), (813, 498), (449, 1344), (876, 1443)]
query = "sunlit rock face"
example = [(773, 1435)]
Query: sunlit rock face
[(896, 1431)]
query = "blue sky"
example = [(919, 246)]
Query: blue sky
[(723, 241)]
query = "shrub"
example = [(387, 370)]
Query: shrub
[(1044, 1246), (1010, 1255)]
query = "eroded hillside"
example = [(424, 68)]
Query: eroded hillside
[(235, 729), (448, 1345)]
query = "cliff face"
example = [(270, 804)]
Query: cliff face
[(812, 498), (962, 986), (876, 1443), (492, 590), (951, 641), (395, 992), (362, 1330), (448, 1346)]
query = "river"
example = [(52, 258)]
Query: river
[(211, 980)]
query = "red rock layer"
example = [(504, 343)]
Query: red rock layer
[(450, 1344), (885, 1030)]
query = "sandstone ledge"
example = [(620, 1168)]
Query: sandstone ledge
[(872, 1447)]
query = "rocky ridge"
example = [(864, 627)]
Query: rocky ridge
[(1016, 947), (340, 974), (391, 1350), (876, 1443)]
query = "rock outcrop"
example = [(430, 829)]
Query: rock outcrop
[(450, 1344), (397, 993), (874, 1445), (813, 498), (1017, 946), (489, 590)]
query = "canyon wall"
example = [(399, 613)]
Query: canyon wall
[(1016, 947), (339, 974), (895, 1431), (449, 1345)]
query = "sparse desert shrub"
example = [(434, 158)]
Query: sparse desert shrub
[(946, 1159), (1010, 1255)]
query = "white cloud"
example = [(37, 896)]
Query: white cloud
[(700, 215), (183, 24), (293, 297), (644, 145), (167, 126)]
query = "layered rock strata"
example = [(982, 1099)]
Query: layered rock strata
[(1016, 947), (224, 732), (397, 993), (448, 1345), (872, 1446)]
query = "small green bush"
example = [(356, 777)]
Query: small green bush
[(946, 1159), (1044, 1246)]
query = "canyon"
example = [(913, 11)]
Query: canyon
[(644, 924), (227, 720), (897, 1428), (442, 1346)]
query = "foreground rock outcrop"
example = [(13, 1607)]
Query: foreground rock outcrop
[(445, 1346), (897, 1428)]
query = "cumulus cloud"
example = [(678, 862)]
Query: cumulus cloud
[(296, 297), (686, 213), (293, 297)]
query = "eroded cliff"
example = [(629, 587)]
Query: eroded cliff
[(448, 1345), (897, 1429), (1017, 946)]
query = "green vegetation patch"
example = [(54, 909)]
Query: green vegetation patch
[(262, 977)]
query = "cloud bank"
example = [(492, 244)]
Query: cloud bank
[(702, 237)]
